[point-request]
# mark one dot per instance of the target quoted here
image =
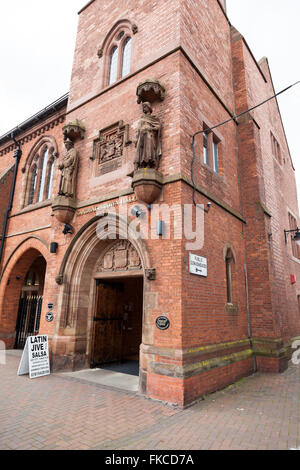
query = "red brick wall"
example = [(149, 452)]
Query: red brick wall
[(6, 178), (203, 83), (274, 309)]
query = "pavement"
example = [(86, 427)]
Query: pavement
[(65, 412), (109, 377)]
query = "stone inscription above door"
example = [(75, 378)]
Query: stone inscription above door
[(108, 148), (122, 256)]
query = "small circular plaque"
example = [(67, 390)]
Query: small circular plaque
[(49, 317), (162, 323), (50, 305)]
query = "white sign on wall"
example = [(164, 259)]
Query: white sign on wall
[(35, 357), (198, 265)]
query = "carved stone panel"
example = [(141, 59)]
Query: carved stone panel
[(108, 148), (121, 257)]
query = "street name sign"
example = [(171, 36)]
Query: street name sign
[(198, 265)]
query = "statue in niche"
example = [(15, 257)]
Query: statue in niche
[(68, 168), (148, 143)]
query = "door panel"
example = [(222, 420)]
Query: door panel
[(108, 323)]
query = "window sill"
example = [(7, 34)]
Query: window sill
[(214, 173), (33, 207)]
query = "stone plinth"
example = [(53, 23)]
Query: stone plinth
[(147, 184), (64, 209)]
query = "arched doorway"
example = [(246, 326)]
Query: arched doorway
[(23, 277), (118, 314), (122, 264), (30, 303)]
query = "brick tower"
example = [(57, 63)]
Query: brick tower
[(147, 76)]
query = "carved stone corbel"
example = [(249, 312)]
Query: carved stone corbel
[(150, 90), (150, 274), (59, 280), (134, 28), (74, 130)]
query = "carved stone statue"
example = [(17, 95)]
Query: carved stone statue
[(148, 143), (68, 168)]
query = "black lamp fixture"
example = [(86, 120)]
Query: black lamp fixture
[(137, 211), (68, 229), (53, 247), (295, 237)]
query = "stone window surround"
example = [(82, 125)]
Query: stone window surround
[(125, 28), (35, 161), (229, 257), (212, 139), (120, 45), (276, 149), (293, 224)]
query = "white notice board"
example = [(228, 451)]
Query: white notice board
[(198, 265), (35, 357)]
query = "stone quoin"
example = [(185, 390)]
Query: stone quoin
[(96, 159)]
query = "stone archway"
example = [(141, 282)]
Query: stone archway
[(24, 256), (71, 343)]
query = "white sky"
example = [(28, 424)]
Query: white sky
[(37, 40)]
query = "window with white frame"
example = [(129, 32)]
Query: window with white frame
[(210, 149)]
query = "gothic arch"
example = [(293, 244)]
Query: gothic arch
[(12, 280), (90, 228), (127, 29), (229, 250), (77, 294), (32, 162), (17, 249)]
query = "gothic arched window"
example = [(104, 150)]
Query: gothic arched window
[(39, 172), (126, 56), (230, 273), (50, 180), (116, 51), (113, 68), (44, 161), (32, 184)]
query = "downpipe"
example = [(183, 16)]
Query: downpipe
[(17, 156)]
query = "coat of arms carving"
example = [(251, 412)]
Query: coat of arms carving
[(121, 257), (108, 148)]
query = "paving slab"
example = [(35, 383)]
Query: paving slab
[(106, 377), (68, 412)]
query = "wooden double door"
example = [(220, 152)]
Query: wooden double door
[(117, 322)]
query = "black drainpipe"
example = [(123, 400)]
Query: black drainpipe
[(17, 156)]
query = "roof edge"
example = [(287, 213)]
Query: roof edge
[(39, 116)]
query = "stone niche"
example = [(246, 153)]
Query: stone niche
[(108, 148)]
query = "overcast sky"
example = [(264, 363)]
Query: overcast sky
[(37, 39)]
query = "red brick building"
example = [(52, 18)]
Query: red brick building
[(106, 294)]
